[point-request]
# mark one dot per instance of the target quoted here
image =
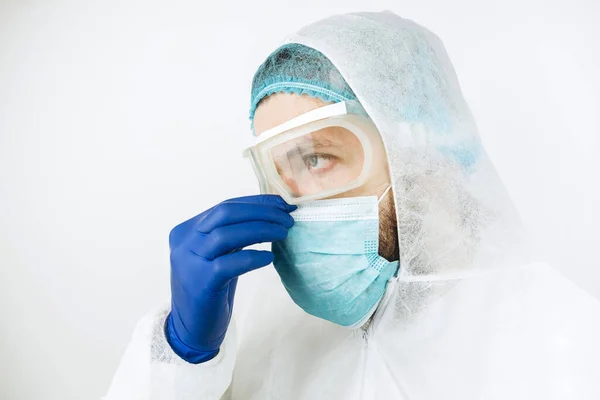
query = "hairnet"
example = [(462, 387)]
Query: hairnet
[(295, 68)]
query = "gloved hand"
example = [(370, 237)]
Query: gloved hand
[(206, 260)]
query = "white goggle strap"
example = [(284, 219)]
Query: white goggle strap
[(331, 110)]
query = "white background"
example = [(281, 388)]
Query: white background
[(119, 120)]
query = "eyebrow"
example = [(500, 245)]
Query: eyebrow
[(307, 146)]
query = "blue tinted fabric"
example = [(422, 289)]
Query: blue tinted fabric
[(329, 263)]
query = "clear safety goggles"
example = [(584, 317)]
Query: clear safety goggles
[(319, 154)]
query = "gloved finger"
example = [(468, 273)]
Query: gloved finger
[(181, 231), (230, 266), (225, 239), (266, 199), (233, 213)]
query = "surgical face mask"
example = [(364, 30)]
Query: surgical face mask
[(329, 263)]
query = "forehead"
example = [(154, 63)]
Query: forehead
[(281, 107), (331, 138)]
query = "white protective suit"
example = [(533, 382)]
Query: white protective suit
[(470, 316)]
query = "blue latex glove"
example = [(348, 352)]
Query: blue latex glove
[(206, 260)]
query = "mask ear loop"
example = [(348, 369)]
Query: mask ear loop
[(384, 193)]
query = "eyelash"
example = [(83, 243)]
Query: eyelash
[(327, 157)]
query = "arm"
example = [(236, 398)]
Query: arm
[(188, 351), (150, 369)]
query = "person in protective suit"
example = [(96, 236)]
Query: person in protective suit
[(401, 270)]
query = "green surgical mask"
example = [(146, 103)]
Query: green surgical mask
[(330, 264)]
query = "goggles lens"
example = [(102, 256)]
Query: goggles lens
[(325, 152), (319, 161)]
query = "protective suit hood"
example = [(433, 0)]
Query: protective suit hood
[(454, 216)]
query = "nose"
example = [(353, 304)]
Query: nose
[(292, 184)]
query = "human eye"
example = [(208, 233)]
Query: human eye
[(319, 163)]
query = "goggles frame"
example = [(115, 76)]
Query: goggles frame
[(347, 114)]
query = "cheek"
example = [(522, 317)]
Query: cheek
[(387, 217), (388, 231)]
